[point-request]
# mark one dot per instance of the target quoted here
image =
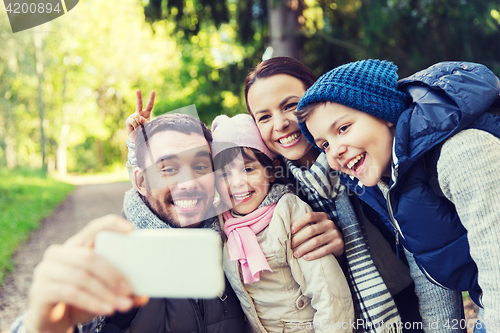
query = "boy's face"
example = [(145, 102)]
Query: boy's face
[(355, 142)]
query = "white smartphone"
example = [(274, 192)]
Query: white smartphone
[(170, 263)]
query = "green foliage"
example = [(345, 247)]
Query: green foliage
[(219, 42), (413, 34), (209, 75), (189, 15), (94, 58), (26, 197), (199, 52)]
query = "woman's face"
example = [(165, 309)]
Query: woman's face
[(272, 102)]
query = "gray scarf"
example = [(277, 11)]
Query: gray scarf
[(275, 193)]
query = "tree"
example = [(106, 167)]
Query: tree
[(96, 67), (258, 24), (17, 69), (90, 66), (413, 34), (41, 105), (285, 37)]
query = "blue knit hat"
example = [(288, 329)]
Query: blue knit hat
[(367, 85)]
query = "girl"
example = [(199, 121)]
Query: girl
[(278, 292), (272, 92), (426, 154)]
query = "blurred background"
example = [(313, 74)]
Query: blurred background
[(67, 86)]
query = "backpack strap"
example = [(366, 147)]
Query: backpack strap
[(495, 107), (119, 321), (430, 159), (432, 156)]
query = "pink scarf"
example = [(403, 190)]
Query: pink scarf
[(242, 243)]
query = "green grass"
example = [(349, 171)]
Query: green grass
[(26, 197)]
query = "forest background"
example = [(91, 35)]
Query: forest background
[(66, 87)]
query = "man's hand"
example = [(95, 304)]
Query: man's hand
[(315, 236), (72, 284), (140, 116)]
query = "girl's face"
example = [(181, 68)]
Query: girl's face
[(272, 102), (243, 184), (355, 142)]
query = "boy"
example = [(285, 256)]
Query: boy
[(424, 152)]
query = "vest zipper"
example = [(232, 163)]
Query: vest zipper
[(200, 314), (397, 231), (394, 223)]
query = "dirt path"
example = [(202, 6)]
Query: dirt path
[(84, 204)]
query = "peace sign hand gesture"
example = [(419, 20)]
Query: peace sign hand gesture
[(140, 116)]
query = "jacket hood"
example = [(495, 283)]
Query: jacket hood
[(446, 98)]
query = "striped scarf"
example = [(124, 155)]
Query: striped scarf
[(373, 300)]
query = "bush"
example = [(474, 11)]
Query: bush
[(26, 197)]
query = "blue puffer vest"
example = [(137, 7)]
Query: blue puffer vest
[(446, 98)]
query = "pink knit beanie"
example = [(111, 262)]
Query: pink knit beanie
[(238, 131)]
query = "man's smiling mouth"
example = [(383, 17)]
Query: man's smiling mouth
[(186, 203)]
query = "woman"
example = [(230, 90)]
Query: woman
[(272, 92)]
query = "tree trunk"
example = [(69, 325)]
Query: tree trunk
[(41, 106), (10, 152), (7, 133), (284, 28), (62, 162), (100, 103)]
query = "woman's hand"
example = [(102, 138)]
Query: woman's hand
[(72, 284), (314, 236), (140, 116)]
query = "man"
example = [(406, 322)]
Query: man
[(174, 184), (174, 188)]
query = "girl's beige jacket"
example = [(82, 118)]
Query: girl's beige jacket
[(299, 295)]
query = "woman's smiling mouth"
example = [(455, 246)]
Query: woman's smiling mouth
[(289, 140)]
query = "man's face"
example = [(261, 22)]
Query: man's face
[(178, 182)]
